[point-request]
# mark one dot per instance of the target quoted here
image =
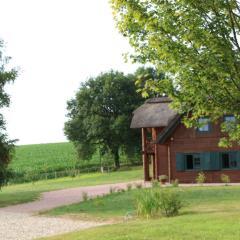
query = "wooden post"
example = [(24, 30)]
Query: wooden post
[(155, 156), (169, 164), (144, 156)]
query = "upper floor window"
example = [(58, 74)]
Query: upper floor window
[(229, 121), (204, 125)]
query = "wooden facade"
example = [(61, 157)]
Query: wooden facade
[(181, 153)]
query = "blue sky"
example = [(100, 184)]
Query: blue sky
[(57, 44)]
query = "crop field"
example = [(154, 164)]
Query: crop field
[(42, 161), (47, 161)]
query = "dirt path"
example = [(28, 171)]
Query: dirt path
[(20, 222)]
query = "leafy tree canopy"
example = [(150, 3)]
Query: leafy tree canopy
[(100, 115), (6, 145), (196, 43)]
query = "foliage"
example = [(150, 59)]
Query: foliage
[(163, 178), (201, 178), (85, 196), (144, 76), (152, 202), (129, 187), (175, 183), (170, 203), (138, 185), (112, 190), (196, 44), (155, 184), (225, 179), (100, 116), (6, 146)]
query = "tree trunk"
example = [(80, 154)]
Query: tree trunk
[(116, 159)]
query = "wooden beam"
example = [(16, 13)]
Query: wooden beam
[(144, 156)]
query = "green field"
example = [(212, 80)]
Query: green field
[(210, 213), (44, 157), (47, 161), (26, 192)]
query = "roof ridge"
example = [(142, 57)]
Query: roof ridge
[(158, 100)]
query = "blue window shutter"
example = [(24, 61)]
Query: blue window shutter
[(180, 161), (215, 161), (238, 159), (205, 161)]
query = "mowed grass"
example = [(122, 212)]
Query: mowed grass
[(209, 213), (21, 193)]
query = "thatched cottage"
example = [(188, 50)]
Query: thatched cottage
[(171, 149)]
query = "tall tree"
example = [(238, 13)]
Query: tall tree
[(196, 43), (100, 115), (6, 145)]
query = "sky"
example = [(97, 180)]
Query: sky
[(57, 44)]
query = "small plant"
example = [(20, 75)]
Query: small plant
[(163, 178), (129, 187), (85, 196), (112, 190), (175, 183), (170, 203), (201, 178), (121, 190), (156, 201), (138, 185), (225, 179), (155, 184)]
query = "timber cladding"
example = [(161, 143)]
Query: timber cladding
[(190, 143), (170, 149)]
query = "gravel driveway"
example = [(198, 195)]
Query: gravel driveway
[(20, 222)]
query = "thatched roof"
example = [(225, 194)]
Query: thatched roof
[(154, 112)]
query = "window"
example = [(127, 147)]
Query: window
[(193, 161), (204, 125), (228, 160), (229, 121), (229, 118)]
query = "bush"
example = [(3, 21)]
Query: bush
[(225, 179), (129, 187), (175, 183), (201, 178), (112, 190), (85, 196), (156, 201), (138, 185), (155, 184), (163, 178), (170, 203)]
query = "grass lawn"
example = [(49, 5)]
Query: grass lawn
[(20, 193), (209, 213)]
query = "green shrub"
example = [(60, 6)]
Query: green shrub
[(163, 178), (129, 187), (225, 179), (155, 184), (201, 178), (112, 190), (170, 203), (147, 204), (175, 183), (85, 196), (156, 201), (138, 185)]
